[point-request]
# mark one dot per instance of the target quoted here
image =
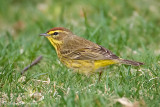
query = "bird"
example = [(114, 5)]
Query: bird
[(80, 54)]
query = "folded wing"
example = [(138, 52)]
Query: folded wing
[(89, 53)]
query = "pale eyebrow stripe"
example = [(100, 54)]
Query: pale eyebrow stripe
[(56, 31)]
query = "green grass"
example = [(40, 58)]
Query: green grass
[(130, 29)]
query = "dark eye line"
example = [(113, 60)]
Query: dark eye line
[(55, 33)]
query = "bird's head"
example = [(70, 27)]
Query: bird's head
[(57, 35)]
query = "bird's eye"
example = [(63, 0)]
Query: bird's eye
[(55, 33)]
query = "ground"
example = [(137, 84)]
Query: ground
[(130, 29)]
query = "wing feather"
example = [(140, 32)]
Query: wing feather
[(77, 48), (89, 54)]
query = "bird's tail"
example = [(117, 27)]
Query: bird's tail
[(129, 62)]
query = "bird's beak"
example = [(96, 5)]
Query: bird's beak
[(44, 34)]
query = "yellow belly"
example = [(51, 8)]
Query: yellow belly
[(87, 66)]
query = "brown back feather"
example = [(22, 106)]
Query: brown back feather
[(78, 48)]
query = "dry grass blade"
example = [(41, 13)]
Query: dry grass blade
[(37, 60), (127, 103)]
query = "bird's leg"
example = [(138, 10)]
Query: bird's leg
[(100, 74)]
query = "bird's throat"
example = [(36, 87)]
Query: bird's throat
[(55, 43)]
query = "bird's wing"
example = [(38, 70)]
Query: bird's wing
[(89, 53), (77, 48)]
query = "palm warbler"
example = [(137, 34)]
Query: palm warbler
[(80, 54)]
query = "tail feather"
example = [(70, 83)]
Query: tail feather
[(129, 62)]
